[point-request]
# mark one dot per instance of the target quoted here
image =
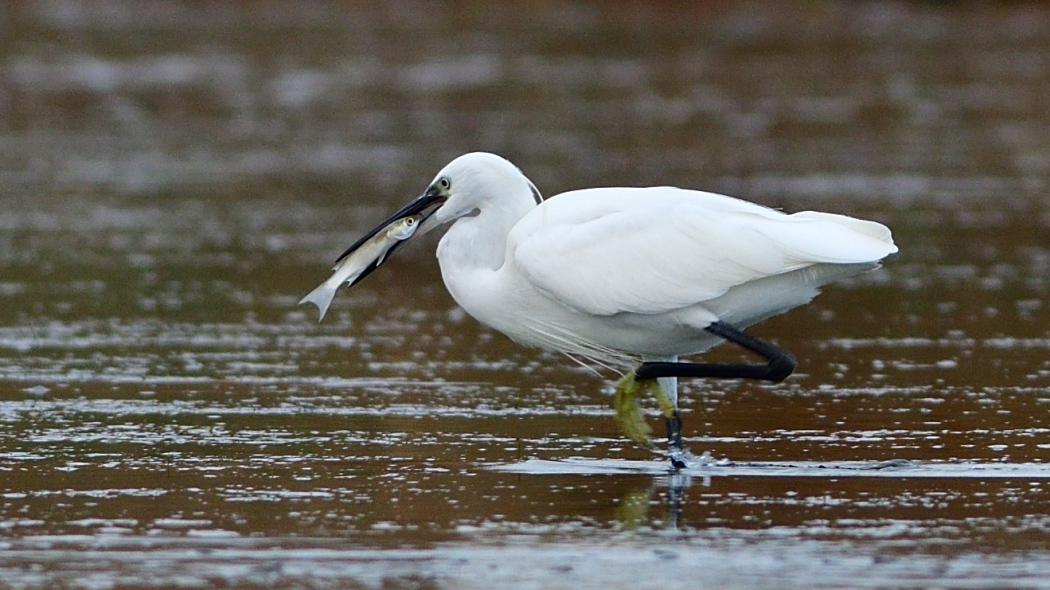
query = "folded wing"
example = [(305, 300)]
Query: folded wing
[(653, 250)]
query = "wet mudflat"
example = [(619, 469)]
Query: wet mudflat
[(175, 179)]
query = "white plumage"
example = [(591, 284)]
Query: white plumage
[(617, 274), (625, 275)]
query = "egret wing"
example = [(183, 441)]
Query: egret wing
[(608, 251)]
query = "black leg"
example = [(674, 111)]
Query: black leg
[(674, 440), (779, 362)]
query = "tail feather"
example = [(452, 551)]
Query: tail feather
[(828, 238), (871, 229)]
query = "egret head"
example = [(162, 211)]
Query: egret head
[(463, 187), (473, 181)]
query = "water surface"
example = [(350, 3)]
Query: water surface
[(175, 178)]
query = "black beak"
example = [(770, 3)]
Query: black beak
[(432, 199)]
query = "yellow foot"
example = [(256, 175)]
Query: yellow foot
[(629, 413)]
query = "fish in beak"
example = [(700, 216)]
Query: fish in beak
[(376, 246)]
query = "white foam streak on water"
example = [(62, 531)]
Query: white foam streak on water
[(830, 469), (639, 564)]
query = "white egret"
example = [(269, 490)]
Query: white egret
[(626, 278)]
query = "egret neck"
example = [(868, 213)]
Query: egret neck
[(473, 250)]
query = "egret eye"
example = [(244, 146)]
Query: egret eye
[(444, 184)]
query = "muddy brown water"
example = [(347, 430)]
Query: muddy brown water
[(175, 177)]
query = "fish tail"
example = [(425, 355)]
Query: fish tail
[(322, 296)]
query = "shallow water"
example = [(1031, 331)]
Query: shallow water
[(175, 178)]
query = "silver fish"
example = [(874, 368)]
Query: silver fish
[(372, 252)]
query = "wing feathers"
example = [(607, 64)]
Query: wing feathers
[(608, 251)]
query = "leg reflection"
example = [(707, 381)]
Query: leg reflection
[(635, 506)]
